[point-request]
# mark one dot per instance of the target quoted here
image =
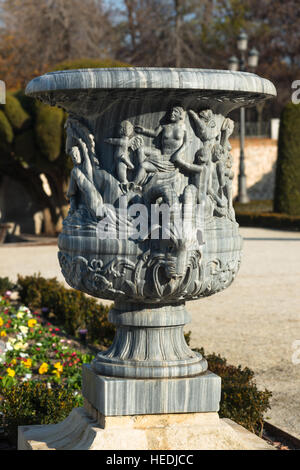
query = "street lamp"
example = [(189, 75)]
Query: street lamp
[(235, 64)]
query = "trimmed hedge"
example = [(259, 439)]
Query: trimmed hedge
[(259, 213), (34, 403), (68, 308), (268, 220), (287, 186), (16, 115), (5, 285), (49, 130), (241, 400)]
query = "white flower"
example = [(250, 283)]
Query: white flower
[(23, 329), (38, 344), (23, 355), (24, 309), (19, 345), (26, 377), (20, 314), (9, 347)]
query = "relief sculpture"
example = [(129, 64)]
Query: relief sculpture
[(147, 165)]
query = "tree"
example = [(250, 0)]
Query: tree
[(37, 34)]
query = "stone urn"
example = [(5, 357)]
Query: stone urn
[(151, 223)]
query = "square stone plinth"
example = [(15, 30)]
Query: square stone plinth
[(123, 396)]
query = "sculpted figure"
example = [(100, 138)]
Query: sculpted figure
[(123, 143), (80, 146), (227, 130), (172, 138)]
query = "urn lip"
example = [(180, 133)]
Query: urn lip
[(151, 78), (2, 92)]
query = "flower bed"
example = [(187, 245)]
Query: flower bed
[(32, 349)]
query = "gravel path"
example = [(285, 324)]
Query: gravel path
[(254, 323)]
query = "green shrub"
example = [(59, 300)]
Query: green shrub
[(5, 285), (69, 308), (16, 115), (268, 220), (24, 146), (241, 401), (49, 131), (255, 206), (287, 186), (6, 131), (34, 403)]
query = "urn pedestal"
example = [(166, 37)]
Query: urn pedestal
[(151, 223)]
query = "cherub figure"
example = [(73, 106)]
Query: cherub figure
[(121, 154), (173, 138)]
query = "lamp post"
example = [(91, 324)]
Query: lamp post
[(241, 64)]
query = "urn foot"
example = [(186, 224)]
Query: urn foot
[(149, 343)]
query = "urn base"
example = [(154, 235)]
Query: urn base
[(113, 396)]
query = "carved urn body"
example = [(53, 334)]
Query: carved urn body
[(151, 223)]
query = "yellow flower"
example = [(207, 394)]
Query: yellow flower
[(32, 322), (27, 363), (10, 372), (1, 321), (58, 367), (43, 368), (57, 373), (14, 362), (3, 333), (20, 314)]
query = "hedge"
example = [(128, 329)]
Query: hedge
[(68, 308), (287, 186)]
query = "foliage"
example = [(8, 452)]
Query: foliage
[(16, 115), (6, 285), (40, 370), (89, 64), (32, 349), (255, 206), (287, 187), (268, 220), (72, 32), (69, 308), (34, 403), (49, 131), (258, 213), (241, 401)]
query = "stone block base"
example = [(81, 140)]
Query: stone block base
[(113, 396), (86, 429)]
